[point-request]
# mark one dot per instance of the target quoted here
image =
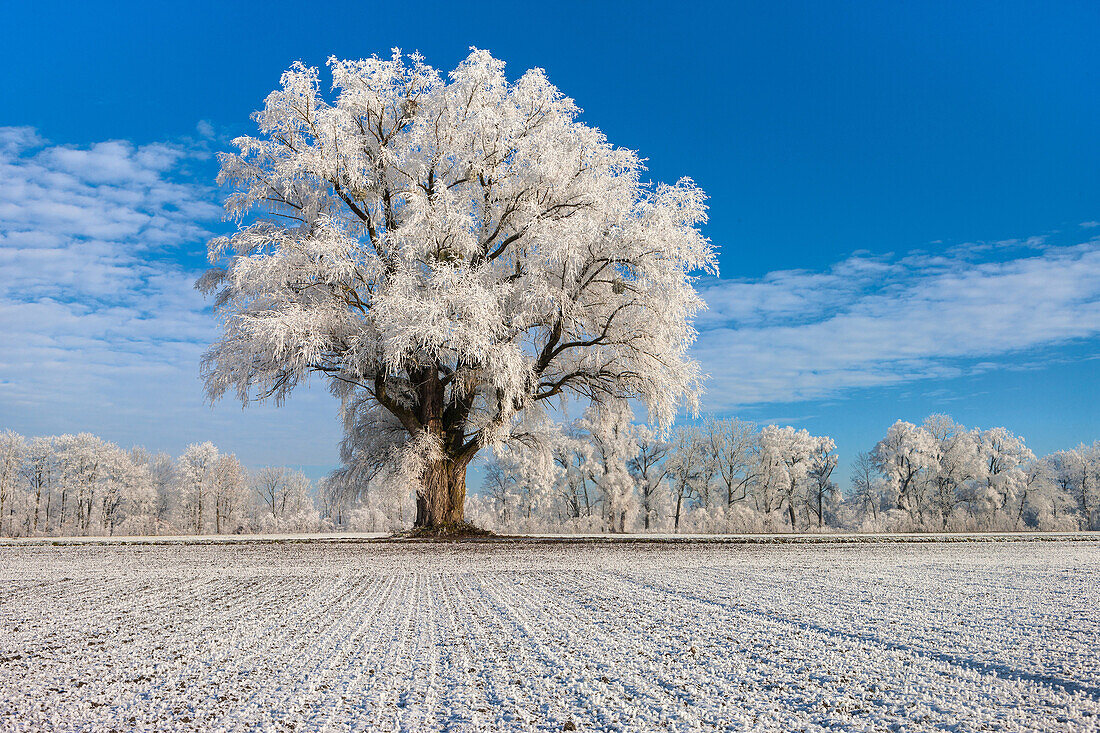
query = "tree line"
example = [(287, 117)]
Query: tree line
[(83, 485), (604, 473), (610, 475)]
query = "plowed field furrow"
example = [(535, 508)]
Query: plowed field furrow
[(527, 635)]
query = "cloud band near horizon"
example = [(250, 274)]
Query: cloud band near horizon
[(101, 246)]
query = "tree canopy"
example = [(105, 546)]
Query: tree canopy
[(454, 255)]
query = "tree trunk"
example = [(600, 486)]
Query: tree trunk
[(441, 501), (441, 498)]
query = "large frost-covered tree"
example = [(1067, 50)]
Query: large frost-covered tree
[(453, 254)]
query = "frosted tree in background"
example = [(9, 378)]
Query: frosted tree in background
[(162, 482), (125, 489), (453, 254), (613, 446), (866, 488), (1077, 473), (40, 472), (12, 449), (228, 492), (940, 476), (951, 461), (572, 451), (789, 454), (196, 484), (823, 491), (284, 498), (732, 447), (1002, 461), (521, 488), (84, 459), (650, 470), (684, 470), (905, 457), (284, 494), (498, 486)]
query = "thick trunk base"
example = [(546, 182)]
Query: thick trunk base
[(449, 532), (441, 501)]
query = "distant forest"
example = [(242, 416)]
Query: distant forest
[(609, 476)]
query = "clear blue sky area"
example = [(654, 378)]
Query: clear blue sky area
[(953, 146)]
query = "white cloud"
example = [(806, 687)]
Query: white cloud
[(102, 327), (1090, 224), (14, 139), (873, 321), (100, 245)]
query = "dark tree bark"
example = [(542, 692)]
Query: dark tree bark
[(441, 499)]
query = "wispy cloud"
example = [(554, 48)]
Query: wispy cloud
[(100, 246), (103, 330), (88, 238), (880, 320)]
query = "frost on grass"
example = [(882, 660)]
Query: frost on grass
[(535, 635)]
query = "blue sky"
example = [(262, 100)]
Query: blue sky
[(905, 198)]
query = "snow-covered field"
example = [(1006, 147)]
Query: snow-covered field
[(543, 634)]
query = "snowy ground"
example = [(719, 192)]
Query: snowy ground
[(537, 634)]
